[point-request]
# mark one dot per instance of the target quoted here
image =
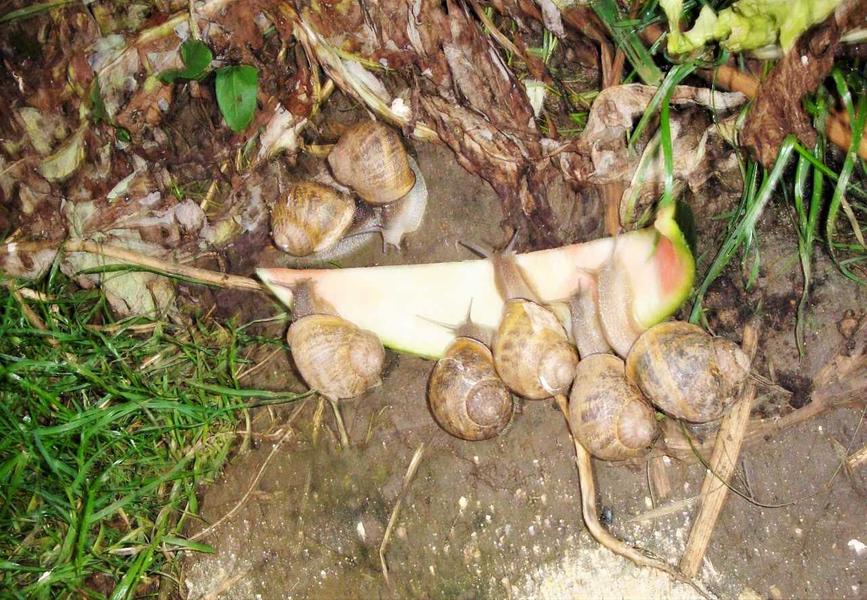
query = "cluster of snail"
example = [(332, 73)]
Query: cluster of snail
[(674, 366), (312, 218), (680, 369)]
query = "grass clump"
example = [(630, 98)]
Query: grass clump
[(106, 430)]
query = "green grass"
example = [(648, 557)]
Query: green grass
[(106, 430)]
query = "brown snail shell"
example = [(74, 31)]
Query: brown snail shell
[(531, 351), (311, 218), (335, 357), (686, 372), (607, 413), (466, 396), (371, 159)]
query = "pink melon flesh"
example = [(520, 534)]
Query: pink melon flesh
[(409, 306)]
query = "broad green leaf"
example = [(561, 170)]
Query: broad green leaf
[(196, 57), (236, 95)]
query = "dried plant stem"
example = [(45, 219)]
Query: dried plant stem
[(127, 256), (256, 479), (660, 485), (395, 512), (587, 484), (723, 462), (341, 428)]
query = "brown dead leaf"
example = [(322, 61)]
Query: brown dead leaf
[(778, 110)]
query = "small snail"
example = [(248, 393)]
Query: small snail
[(371, 159), (607, 413), (335, 357), (466, 396), (586, 328), (686, 372), (312, 217), (531, 350)]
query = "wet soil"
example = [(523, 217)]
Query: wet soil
[(501, 518)]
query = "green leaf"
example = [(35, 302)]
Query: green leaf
[(236, 95), (196, 57)]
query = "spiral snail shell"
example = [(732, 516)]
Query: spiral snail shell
[(607, 413), (370, 158), (531, 350), (686, 372), (466, 397), (335, 357), (312, 217)]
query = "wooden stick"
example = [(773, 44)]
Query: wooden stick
[(407, 479), (127, 256), (587, 483), (722, 464)]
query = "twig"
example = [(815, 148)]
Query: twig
[(223, 280), (658, 481), (857, 458), (407, 479), (587, 484), (671, 507), (256, 479), (722, 464)]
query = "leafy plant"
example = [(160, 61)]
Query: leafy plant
[(196, 57), (236, 95), (236, 85)]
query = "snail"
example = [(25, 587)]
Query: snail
[(615, 307), (586, 328), (318, 213), (310, 218), (607, 413), (466, 396), (370, 158), (531, 350), (335, 357), (686, 372)]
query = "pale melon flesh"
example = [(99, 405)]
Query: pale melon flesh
[(410, 306)]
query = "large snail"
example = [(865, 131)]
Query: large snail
[(315, 220), (466, 396), (335, 357), (370, 158), (686, 372), (531, 350), (607, 414)]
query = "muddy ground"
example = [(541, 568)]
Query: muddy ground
[(501, 519)]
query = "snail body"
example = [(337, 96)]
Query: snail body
[(370, 158), (586, 328), (685, 372), (615, 308), (531, 350), (334, 356), (466, 397), (607, 414), (312, 217)]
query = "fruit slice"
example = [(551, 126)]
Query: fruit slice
[(407, 305)]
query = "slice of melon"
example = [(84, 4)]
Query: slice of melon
[(406, 305)]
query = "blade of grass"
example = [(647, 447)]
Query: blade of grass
[(626, 38), (745, 228)]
